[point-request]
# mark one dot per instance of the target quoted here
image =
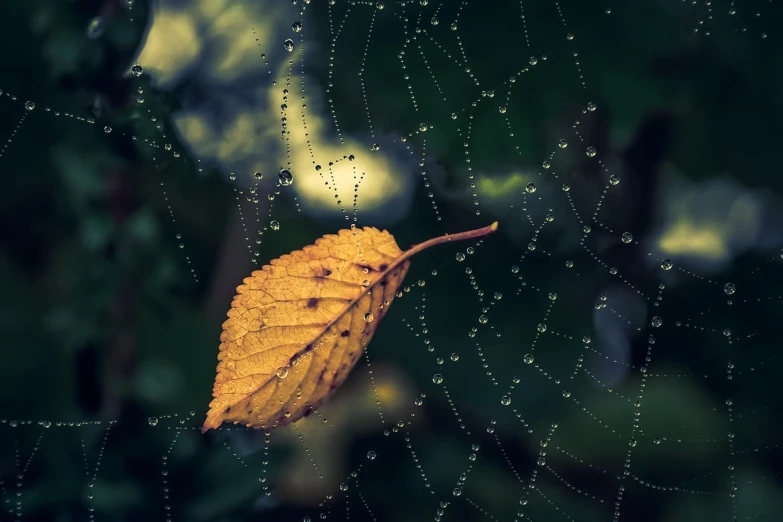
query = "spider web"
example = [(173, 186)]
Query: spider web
[(607, 355)]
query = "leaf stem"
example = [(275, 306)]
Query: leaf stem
[(470, 234)]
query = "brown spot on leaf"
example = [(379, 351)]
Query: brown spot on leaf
[(345, 333), (383, 267), (327, 272), (312, 302)]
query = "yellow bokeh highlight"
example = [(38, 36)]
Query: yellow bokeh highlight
[(171, 44), (686, 238), (501, 187)]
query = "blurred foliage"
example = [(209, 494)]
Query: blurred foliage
[(103, 319)]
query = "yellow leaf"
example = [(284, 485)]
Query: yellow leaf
[(297, 327)]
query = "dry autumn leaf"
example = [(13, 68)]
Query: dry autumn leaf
[(297, 327)]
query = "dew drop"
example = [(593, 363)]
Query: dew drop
[(282, 372), (528, 358), (368, 317), (288, 44), (95, 28), (285, 177), (137, 70), (152, 421)]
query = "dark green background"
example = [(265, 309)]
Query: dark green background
[(101, 318)]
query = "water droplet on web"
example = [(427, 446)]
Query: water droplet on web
[(614, 179), (454, 357), (591, 106), (528, 358), (483, 319), (627, 237), (29, 105), (727, 332), (514, 269), (437, 378), (498, 296), (282, 372), (505, 400), (368, 317), (546, 165), (530, 187), (285, 177), (667, 264), (541, 327), (562, 143), (152, 421), (423, 127), (434, 20), (379, 5), (566, 394), (460, 257), (371, 455), (274, 225), (533, 60), (457, 492), (343, 487), (729, 288), (107, 129), (296, 26), (95, 28), (656, 321), (288, 45), (591, 152), (258, 176), (137, 70)]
